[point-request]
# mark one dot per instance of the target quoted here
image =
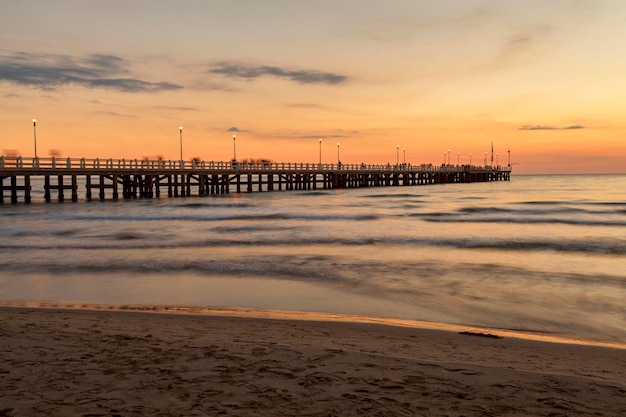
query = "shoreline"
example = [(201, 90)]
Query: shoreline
[(64, 361), (313, 316)]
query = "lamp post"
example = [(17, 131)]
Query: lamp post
[(470, 160), (404, 156), (180, 129), (338, 160), (234, 148), (458, 158), (320, 152), (397, 154), (35, 135), (497, 159), (448, 156), (444, 158), (509, 151), (485, 158)]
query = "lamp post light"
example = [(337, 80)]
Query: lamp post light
[(320, 152), (338, 160), (448, 156), (235, 148), (35, 135), (180, 129), (509, 151), (404, 156), (397, 154)]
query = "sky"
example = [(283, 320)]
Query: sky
[(415, 81)]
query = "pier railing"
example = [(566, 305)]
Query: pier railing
[(19, 162)]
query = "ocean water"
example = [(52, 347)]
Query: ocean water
[(540, 254)]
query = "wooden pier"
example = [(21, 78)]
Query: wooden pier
[(112, 179)]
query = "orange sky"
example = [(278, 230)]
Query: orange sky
[(544, 80)]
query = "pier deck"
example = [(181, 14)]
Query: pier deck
[(106, 179)]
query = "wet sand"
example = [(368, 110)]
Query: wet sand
[(92, 362)]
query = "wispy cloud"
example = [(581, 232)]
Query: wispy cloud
[(114, 114), (334, 134), (324, 137), (175, 108), (537, 127), (235, 129), (298, 76), (93, 71), (541, 127)]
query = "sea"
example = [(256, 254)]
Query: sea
[(542, 254)]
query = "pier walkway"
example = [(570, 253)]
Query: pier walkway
[(114, 178)]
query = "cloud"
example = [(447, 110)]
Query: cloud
[(539, 127), (175, 108), (324, 137), (235, 129), (527, 127), (518, 41), (93, 71), (298, 76), (114, 114)]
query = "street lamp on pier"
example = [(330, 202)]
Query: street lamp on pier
[(35, 135), (338, 160), (320, 151), (397, 154), (458, 158), (234, 148), (485, 158), (470, 160), (180, 129), (404, 156)]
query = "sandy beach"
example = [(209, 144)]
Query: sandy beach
[(82, 362)]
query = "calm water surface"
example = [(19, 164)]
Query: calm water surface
[(544, 254)]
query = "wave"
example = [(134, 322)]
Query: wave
[(140, 240), (464, 215), (480, 210), (206, 217), (316, 268), (562, 209), (578, 222), (392, 196), (582, 202), (604, 246), (482, 294), (573, 216), (214, 205), (452, 219)]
